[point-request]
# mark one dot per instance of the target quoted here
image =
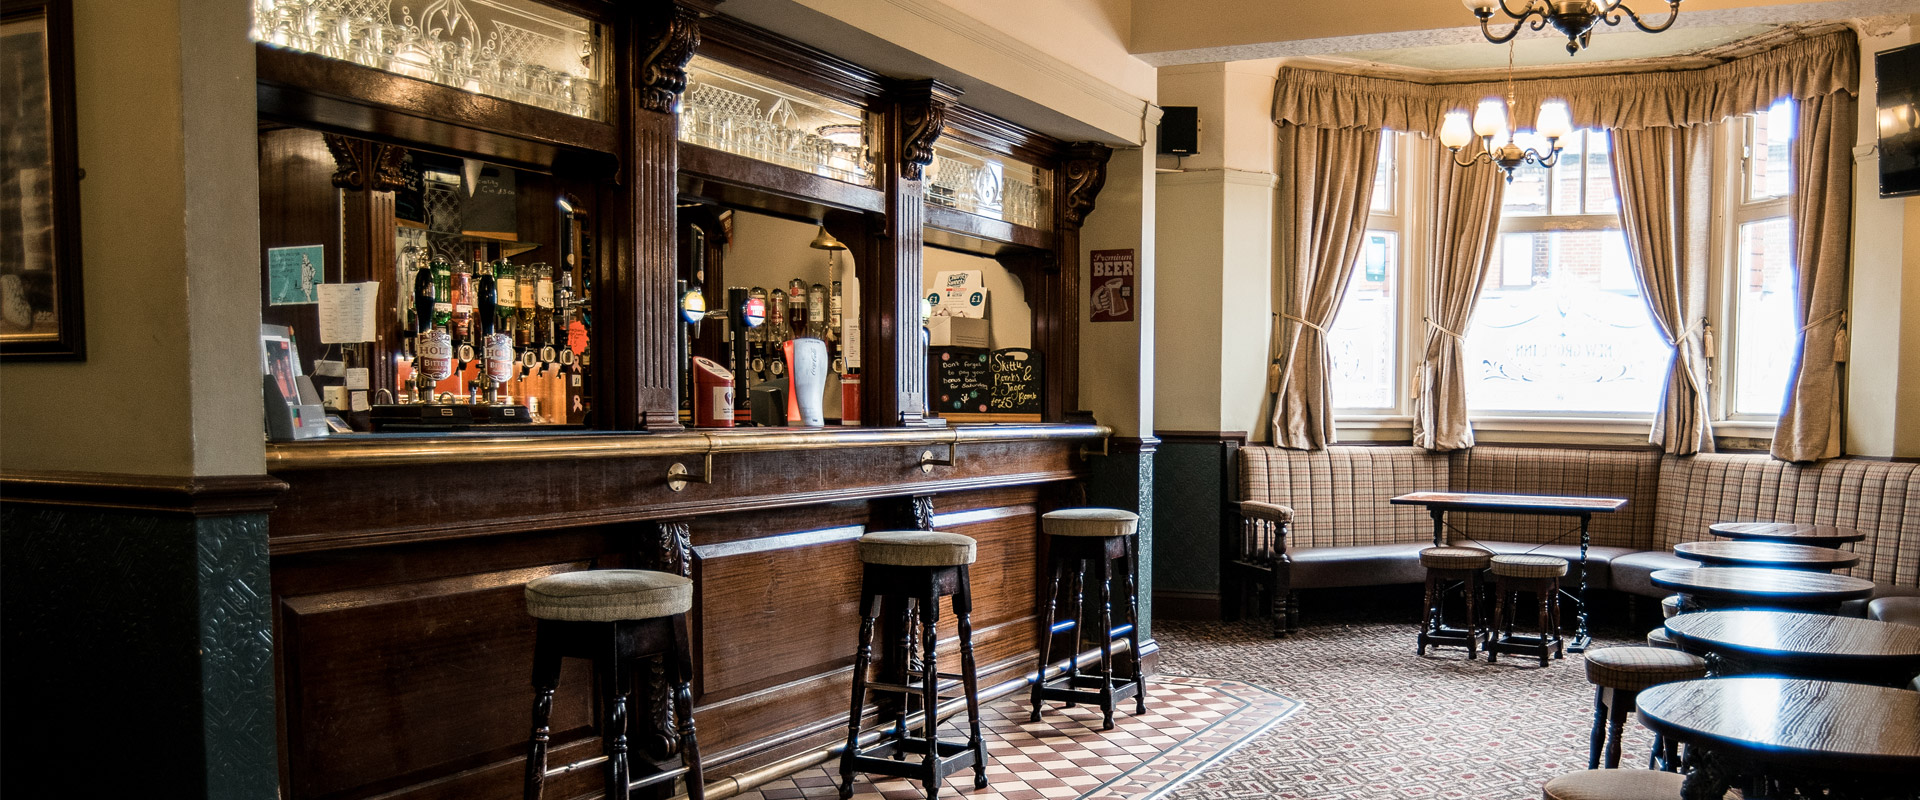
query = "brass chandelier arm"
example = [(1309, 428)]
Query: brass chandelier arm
[(1519, 21), (1472, 160), (1673, 12)]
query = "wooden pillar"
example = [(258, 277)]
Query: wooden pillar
[(1081, 175), (368, 173), (895, 361), (642, 386)]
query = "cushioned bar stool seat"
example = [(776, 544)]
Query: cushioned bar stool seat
[(1670, 606), (614, 617), (1904, 610), (1614, 784), (910, 571), (1539, 575), (1618, 675), (1449, 568), (1079, 541), (1658, 638)]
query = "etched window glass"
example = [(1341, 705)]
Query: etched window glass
[(977, 181), (734, 110)]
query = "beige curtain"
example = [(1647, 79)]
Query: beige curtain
[(1820, 216), (1689, 92), (1462, 223), (1325, 193), (1665, 179)]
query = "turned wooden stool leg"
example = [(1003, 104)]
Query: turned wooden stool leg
[(546, 678), (862, 659), (1500, 600), (682, 657), (1103, 572), (614, 694), (1472, 588), (930, 686), (970, 677), (1133, 632), (1427, 615), (1622, 705), (1077, 599), (1056, 566), (1599, 735)]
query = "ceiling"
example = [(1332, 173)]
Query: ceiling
[(1543, 50)]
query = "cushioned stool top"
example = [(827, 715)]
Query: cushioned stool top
[(1658, 638), (1634, 668), (1614, 784), (1670, 606), (916, 549), (1904, 610), (1454, 558), (608, 595), (1519, 565), (1089, 522)]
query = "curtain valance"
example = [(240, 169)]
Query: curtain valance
[(1812, 67)]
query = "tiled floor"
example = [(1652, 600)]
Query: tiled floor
[(1190, 723)]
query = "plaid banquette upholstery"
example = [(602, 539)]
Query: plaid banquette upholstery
[(1339, 501)]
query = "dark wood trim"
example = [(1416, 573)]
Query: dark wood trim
[(998, 135), (340, 96), (1202, 437), (1186, 605), (741, 182), (763, 52), (199, 496), (895, 360), (974, 226)]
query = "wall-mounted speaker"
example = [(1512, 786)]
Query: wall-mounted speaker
[(1180, 130)]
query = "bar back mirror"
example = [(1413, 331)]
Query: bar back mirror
[(412, 279)]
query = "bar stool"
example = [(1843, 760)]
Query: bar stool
[(614, 617), (1079, 538), (1613, 784), (921, 567), (1447, 566), (1516, 573), (1618, 675)]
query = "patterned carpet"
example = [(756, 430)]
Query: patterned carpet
[(1379, 722)]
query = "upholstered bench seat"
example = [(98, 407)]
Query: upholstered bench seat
[(917, 549), (1904, 610), (1365, 565), (1631, 572), (608, 595)]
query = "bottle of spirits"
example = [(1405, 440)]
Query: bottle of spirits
[(543, 312), (524, 303), (834, 322), (433, 345), (442, 293), (508, 289), (817, 314), (755, 317), (797, 308), (778, 334), (496, 346), (462, 303)]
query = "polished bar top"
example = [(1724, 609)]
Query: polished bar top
[(1803, 722), (1765, 554), (368, 450), (1525, 503)]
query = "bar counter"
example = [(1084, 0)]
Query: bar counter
[(403, 649)]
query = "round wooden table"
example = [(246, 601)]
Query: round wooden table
[(1787, 533), (1856, 741), (1820, 646), (1704, 588), (1766, 554)]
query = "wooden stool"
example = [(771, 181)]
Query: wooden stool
[(1618, 674), (1448, 566), (921, 567), (1079, 538), (1613, 784), (1516, 573), (614, 617), (1658, 637), (1670, 606)]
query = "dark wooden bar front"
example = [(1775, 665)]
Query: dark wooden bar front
[(402, 644)]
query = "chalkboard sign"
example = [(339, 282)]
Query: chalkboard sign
[(1018, 374), (961, 378)]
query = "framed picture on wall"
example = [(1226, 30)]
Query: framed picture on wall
[(40, 302)]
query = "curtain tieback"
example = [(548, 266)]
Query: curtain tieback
[(1685, 335), (1841, 342), (1436, 326), (1822, 320), (1304, 322)]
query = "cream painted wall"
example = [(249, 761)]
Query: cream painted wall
[(170, 239), (1009, 318), (1187, 290), (1117, 363), (1089, 35), (1884, 317), (1236, 128)]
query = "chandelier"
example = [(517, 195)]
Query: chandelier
[(1501, 145), (1575, 18)]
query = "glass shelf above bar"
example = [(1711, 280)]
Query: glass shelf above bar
[(515, 50), (974, 180), (735, 111)]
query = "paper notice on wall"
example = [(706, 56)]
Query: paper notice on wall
[(347, 312), (958, 293)]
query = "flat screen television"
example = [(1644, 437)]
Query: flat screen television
[(1898, 74)]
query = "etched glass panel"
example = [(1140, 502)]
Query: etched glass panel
[(730, 109), (1574, 337), (976, 181), (511, 49)]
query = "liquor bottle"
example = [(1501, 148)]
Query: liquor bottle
[(797, 308), (834, 322), (442, 293), (563, 318), (778, 334), (755, 317), (433, 346), (543, 311), (497, 346), (524, 303), (508, 292), (817, 313), (462, 303)]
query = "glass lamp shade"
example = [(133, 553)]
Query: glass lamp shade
[(1554, 122), (1456, 130), (1490, 118), (1477, 5)]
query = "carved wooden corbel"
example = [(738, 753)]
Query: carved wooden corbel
[(667, 38), (1086, 173), (923, 112), (363, 165)]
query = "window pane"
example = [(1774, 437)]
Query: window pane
[(1767, 336), (1566, 174), (1770, 134), (1526, 194), (1383, 175), (1600, 196), (1577, 339), (1365, 330)]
